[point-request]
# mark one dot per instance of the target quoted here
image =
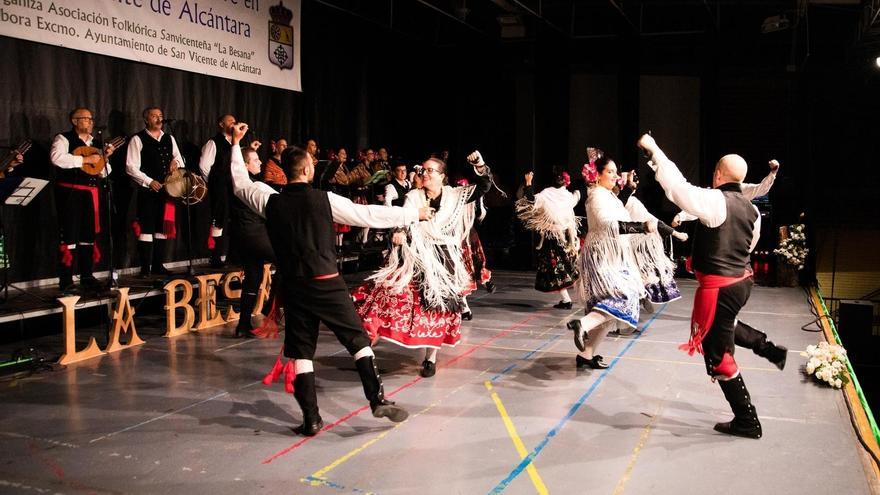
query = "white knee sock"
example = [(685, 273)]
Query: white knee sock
[(304, 366), (431, 354), (564, 294), (595, 337)]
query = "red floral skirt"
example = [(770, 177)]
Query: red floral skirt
[(400, 318), (475, 258)]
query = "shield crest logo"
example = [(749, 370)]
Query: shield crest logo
[(281, 36)]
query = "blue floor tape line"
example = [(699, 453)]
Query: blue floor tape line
[(526, 356), (500, 487)]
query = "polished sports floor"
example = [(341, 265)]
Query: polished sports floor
[(507, 412)]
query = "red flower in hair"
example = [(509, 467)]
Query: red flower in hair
[(591, 175), (566, 179)]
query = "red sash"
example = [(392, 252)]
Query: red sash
[(169, 225), (94, 191), (96, 254), (705, 303)]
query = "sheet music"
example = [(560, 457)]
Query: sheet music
[(26, 191)]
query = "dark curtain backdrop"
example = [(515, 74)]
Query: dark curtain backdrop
[(361, 87)]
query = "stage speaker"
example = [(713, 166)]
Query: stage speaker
[(855, 325)]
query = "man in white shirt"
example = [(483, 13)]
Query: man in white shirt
[(727, 232), (77, 199), (299, 221), (214, 165), (397, 187), (152, 155)]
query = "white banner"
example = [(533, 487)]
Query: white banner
[(256, 41)]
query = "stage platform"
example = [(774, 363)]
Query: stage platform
[(507, 412)]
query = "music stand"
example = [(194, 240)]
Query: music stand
[(324, 171), (15, 191)]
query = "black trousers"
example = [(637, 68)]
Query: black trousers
[(151, 210), (725, 334), (309, 302), (76, 215), (255, 251)]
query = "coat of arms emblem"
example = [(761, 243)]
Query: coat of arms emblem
[(281, 36)]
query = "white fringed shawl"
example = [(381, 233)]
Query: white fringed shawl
[(607, 265), (422, 257), (551, 214), (648, 249)]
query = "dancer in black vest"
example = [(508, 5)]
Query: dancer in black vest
[(397, 187), (77, 200), (728, 229), (299, 220), (152, 154), (248, 231), (214, 165)]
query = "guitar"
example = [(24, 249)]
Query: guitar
[(97, 167), (21, 149)]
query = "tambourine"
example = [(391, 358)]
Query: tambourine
[(187, 186)]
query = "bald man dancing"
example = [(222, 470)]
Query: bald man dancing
[(728, 229)]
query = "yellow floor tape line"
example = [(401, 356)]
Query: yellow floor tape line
[(517, 441)]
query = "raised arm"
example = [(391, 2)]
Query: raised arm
[(254, 194), (752, 191), (483, 180), (706, 204)]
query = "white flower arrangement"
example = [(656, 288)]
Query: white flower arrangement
[(793, 249), (827, 362)]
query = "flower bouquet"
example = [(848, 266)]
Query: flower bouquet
[(792, 253), (827, 362), (793, 246)]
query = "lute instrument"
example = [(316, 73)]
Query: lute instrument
[(99, 166)]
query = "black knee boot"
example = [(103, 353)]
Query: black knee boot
[(307, 398), (158, 261), (375, 392), (756, 340), (245, 327), (745, 419), (145, 253), (86, 266)]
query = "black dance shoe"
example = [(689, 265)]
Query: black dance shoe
[(388, 409), (428, 370), (579, 334), (740, 428), (490, 287), (467, 315), (310, 427), (595, 363), (244, 333), (563, 305)]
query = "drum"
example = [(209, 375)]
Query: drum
[(187, 186)]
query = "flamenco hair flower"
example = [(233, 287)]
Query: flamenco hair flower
[(591, 175), (566, 179), (462, 182)]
